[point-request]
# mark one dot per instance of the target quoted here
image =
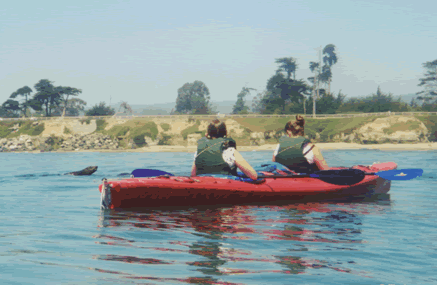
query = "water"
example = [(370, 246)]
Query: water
[(53, 232)]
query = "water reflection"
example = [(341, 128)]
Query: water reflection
[(297, 233)]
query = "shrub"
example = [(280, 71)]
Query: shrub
[(149, 129), (165, 139), (87, 121), (138, 133), (4, 130), (52, 143), (119, 131), (101, 124), (139, 140), (165, 127), (191, 130), (67, 130), (100, 110)]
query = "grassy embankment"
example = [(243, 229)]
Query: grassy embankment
[(431, 124), (25, 128), (134, 130), (327, 128)]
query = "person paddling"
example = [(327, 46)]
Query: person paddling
[(217, 154), (296, 152)]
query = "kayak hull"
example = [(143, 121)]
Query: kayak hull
[(177, 191)]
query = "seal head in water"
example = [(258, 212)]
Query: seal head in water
[(87, 171)]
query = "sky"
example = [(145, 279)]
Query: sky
[(143, 51)]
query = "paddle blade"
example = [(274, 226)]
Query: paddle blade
[(340, 176), (149, 173), (400, 174)]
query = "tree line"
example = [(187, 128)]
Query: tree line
[(49, 100), (284, 94), (287, 94)]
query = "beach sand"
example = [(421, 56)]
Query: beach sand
[(271, 147)]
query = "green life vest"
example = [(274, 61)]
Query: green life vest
[(290, 154), (209, 159)]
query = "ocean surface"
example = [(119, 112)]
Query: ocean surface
[(52, 230)]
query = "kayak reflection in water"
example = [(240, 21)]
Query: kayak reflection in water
[(217, 154), (296, 152)]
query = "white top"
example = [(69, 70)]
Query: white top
[(228, 156), (309, 156)]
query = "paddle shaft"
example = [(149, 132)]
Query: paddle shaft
[(386, 174)]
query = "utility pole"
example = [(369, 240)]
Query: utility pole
[(320, 72), (316, 82)]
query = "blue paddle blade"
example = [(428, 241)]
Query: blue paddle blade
[(149, 173), (400, 174)]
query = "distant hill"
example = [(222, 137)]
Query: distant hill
[(143, 109), (407, 97), (222, 107)]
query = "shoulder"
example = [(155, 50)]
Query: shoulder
[(307, 146), (229, 142), (284, 139), (202, 139)]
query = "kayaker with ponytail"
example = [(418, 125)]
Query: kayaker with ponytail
[(296, 152), (217, 154)]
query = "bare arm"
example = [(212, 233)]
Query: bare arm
[(319, 160), (193, 169), (245, 166), (275, 153)]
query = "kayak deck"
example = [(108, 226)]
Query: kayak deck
[(194, 191)]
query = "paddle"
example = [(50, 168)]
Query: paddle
[(337, 176), (399, 174), (149, 173), (353, 176)]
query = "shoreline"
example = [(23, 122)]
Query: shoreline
[(267, 147)]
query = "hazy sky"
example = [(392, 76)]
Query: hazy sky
[(143, 51)]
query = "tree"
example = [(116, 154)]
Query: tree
[(283, 94), (329, 104), (314, 67), (256, 102), (10, 109), (46, 96), (25, 92), (329, 60), (378, 102), (240, 107), (325, 77), (126, 107), (193, 98), (288, 65), (66, 91), (74, 107), (429, 82), (100, 110)]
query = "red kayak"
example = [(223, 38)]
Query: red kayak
[(163, 191)]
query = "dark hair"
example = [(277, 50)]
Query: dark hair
[(217, 129), (296, 128)]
